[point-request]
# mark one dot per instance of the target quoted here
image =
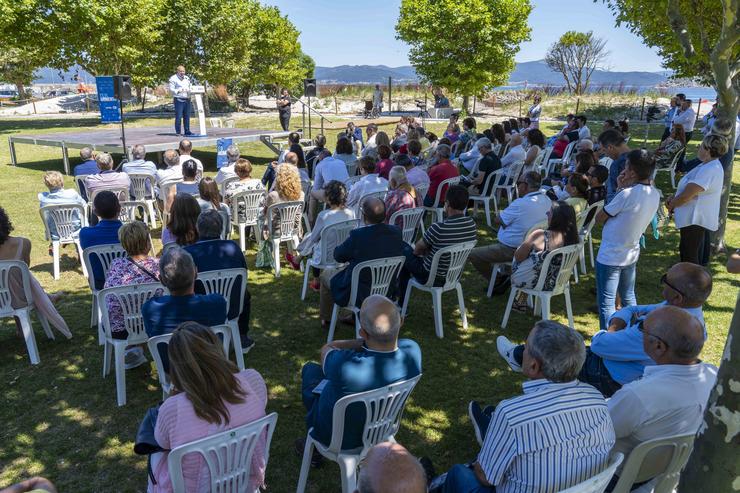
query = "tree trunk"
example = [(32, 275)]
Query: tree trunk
[(21, 88), (466, 104), (714, 465)]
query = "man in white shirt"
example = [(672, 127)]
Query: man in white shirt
[(469, 159), (672, 395), (180, 89), (583, 131), (328, 168), (172, 173), (227, 171), (626, 216), (516, 151), (370, 182), (185, 149), (686, 116), (515, 221), (371, 148)]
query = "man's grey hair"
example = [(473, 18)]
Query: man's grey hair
[(171, 158), (398, 175), (177, 269), (138, 151), (533, 180), (232, 153), (380, 328), (586, 144), (104, 160), (559, 350), (443, 151), (484, 142), (209, 224), (86, 153)]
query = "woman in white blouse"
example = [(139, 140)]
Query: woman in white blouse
[(696, 204)]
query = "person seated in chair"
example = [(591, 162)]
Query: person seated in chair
[(105, 232), (227, 170), (58, 195), (525, 438), (376, 240), (488, 164), (442, 169), (211, 253), (369, 183), (378, 358), (107, 178), (390, 468), (616, 356), (88, 166), (455, 229)]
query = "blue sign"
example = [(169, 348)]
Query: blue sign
[(110, 108), (221, 146)]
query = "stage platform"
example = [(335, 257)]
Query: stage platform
[(156, 139)]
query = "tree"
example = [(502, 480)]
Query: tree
[(17, 66), (465, 48), (576, 55), (699, 40)]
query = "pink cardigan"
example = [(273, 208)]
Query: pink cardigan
[(178, 424)]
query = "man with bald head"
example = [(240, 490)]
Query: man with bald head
[(373, 241), (179, 85), (186, 154), (616, 355), (390, 468), (672, 394), (376, 359)]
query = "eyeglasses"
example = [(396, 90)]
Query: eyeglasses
[(664, 280), (641, 328)]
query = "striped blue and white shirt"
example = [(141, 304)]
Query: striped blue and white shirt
[(554, 436)]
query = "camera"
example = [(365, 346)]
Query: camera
[(653, 113)]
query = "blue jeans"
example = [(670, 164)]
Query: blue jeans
[(462, 479), (610, 280), (182, 111)]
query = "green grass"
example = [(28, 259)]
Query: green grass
[(61, 419)]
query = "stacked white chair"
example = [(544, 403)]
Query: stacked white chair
[(457, 255), (383, 272), (598, 483), (383, 408), (288, 230), (410, 222), (105, 254), (331, 236), (142, 189), (245, 209), (23, 313), (68, 220)]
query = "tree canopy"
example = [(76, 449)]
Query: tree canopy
[(464, 48), (576, 55)]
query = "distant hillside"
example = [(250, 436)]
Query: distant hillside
[(368, 74)]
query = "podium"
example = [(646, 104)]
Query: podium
[(197, 92)]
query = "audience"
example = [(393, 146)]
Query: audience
[(139, 164), (329, 168), (88, 166), (584, 133), (36, 484), (577, 190), (525, 438), (401, 195), (696, 205), (185, 149), (212, 396), (400, 137), (319, 145), (242, 170), (211, 253), (105, 232), (344, 150), (452, 132), (137, 267), (369, 183), (209, 199), (469, 133), (377, 359), (415, 174), (536, 140), (58, 195), (685, 116), (514, 222), (668, 118), (228, 170), (615, 147), (287, 189), (180, 227), (597, 176), (374, 241), (390, 468), (173, 172), (626, 216), (107, 178), (469, 159), (441, 170)]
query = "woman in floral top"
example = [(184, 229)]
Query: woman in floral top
[(136, 268), (401, 195), (671, 146)]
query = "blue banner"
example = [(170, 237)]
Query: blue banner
[(110, 109), (221, 146)]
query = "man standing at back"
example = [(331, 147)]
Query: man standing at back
[(180, 89)]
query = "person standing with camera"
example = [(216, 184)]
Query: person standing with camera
[(283, 105)]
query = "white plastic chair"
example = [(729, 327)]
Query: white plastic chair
[(105, 254), (331, 236), (561, 160), (245, 209), (421, 191), (584, 231), (130, 209), (542, 160), (568, 258), (223, 282), (437, 208), (288, 227), (352, 180), (672, 168), (410, 221), (506, 181), (606, 161), (131, 298), (456, 255), (154, 343), (23, 313), (142, 189), (380, 195), (68, 220), (383, 408), (486, 198), (225, 183), (383, 272), (80, 185), (598, 483), (216, 122), (659, 461), (228, 456)]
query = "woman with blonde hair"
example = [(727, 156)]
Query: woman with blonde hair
[(401, 195), (210, 395)]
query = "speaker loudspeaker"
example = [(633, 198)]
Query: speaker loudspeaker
[(309, 88), (122, 87)]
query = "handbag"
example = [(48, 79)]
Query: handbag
[(264, 255), (145, 443)]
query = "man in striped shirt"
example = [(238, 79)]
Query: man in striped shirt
[(556, 435), (455, 229)]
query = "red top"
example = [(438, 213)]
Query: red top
[(383, 167), (559, 147), (439, 173)]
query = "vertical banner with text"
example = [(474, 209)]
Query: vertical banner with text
[(110, 110)]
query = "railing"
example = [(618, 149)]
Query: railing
[(306, 106)]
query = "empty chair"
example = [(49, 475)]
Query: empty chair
[(288, 215), (437, 208), (408, 220), (383, 272), (105, 254), (568, 256), (22, 313), (68, 220), (142, 190), (598, 483), (486, 198), (245, 208), (456, 255), (383, 408), (331, 236)]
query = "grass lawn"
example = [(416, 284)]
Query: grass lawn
[(61, 419)]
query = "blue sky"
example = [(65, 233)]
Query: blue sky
[(361, 32)]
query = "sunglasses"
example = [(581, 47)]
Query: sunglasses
[(664, 280), (641, 328)]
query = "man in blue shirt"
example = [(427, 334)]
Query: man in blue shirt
[(88, 166), (614, 145), (162, 314), (212, 253), (348, 367), (105, 232), (616, 356)]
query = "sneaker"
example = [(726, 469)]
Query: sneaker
[(247, 343), (475, 414), (506, 350), (134, 357)]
